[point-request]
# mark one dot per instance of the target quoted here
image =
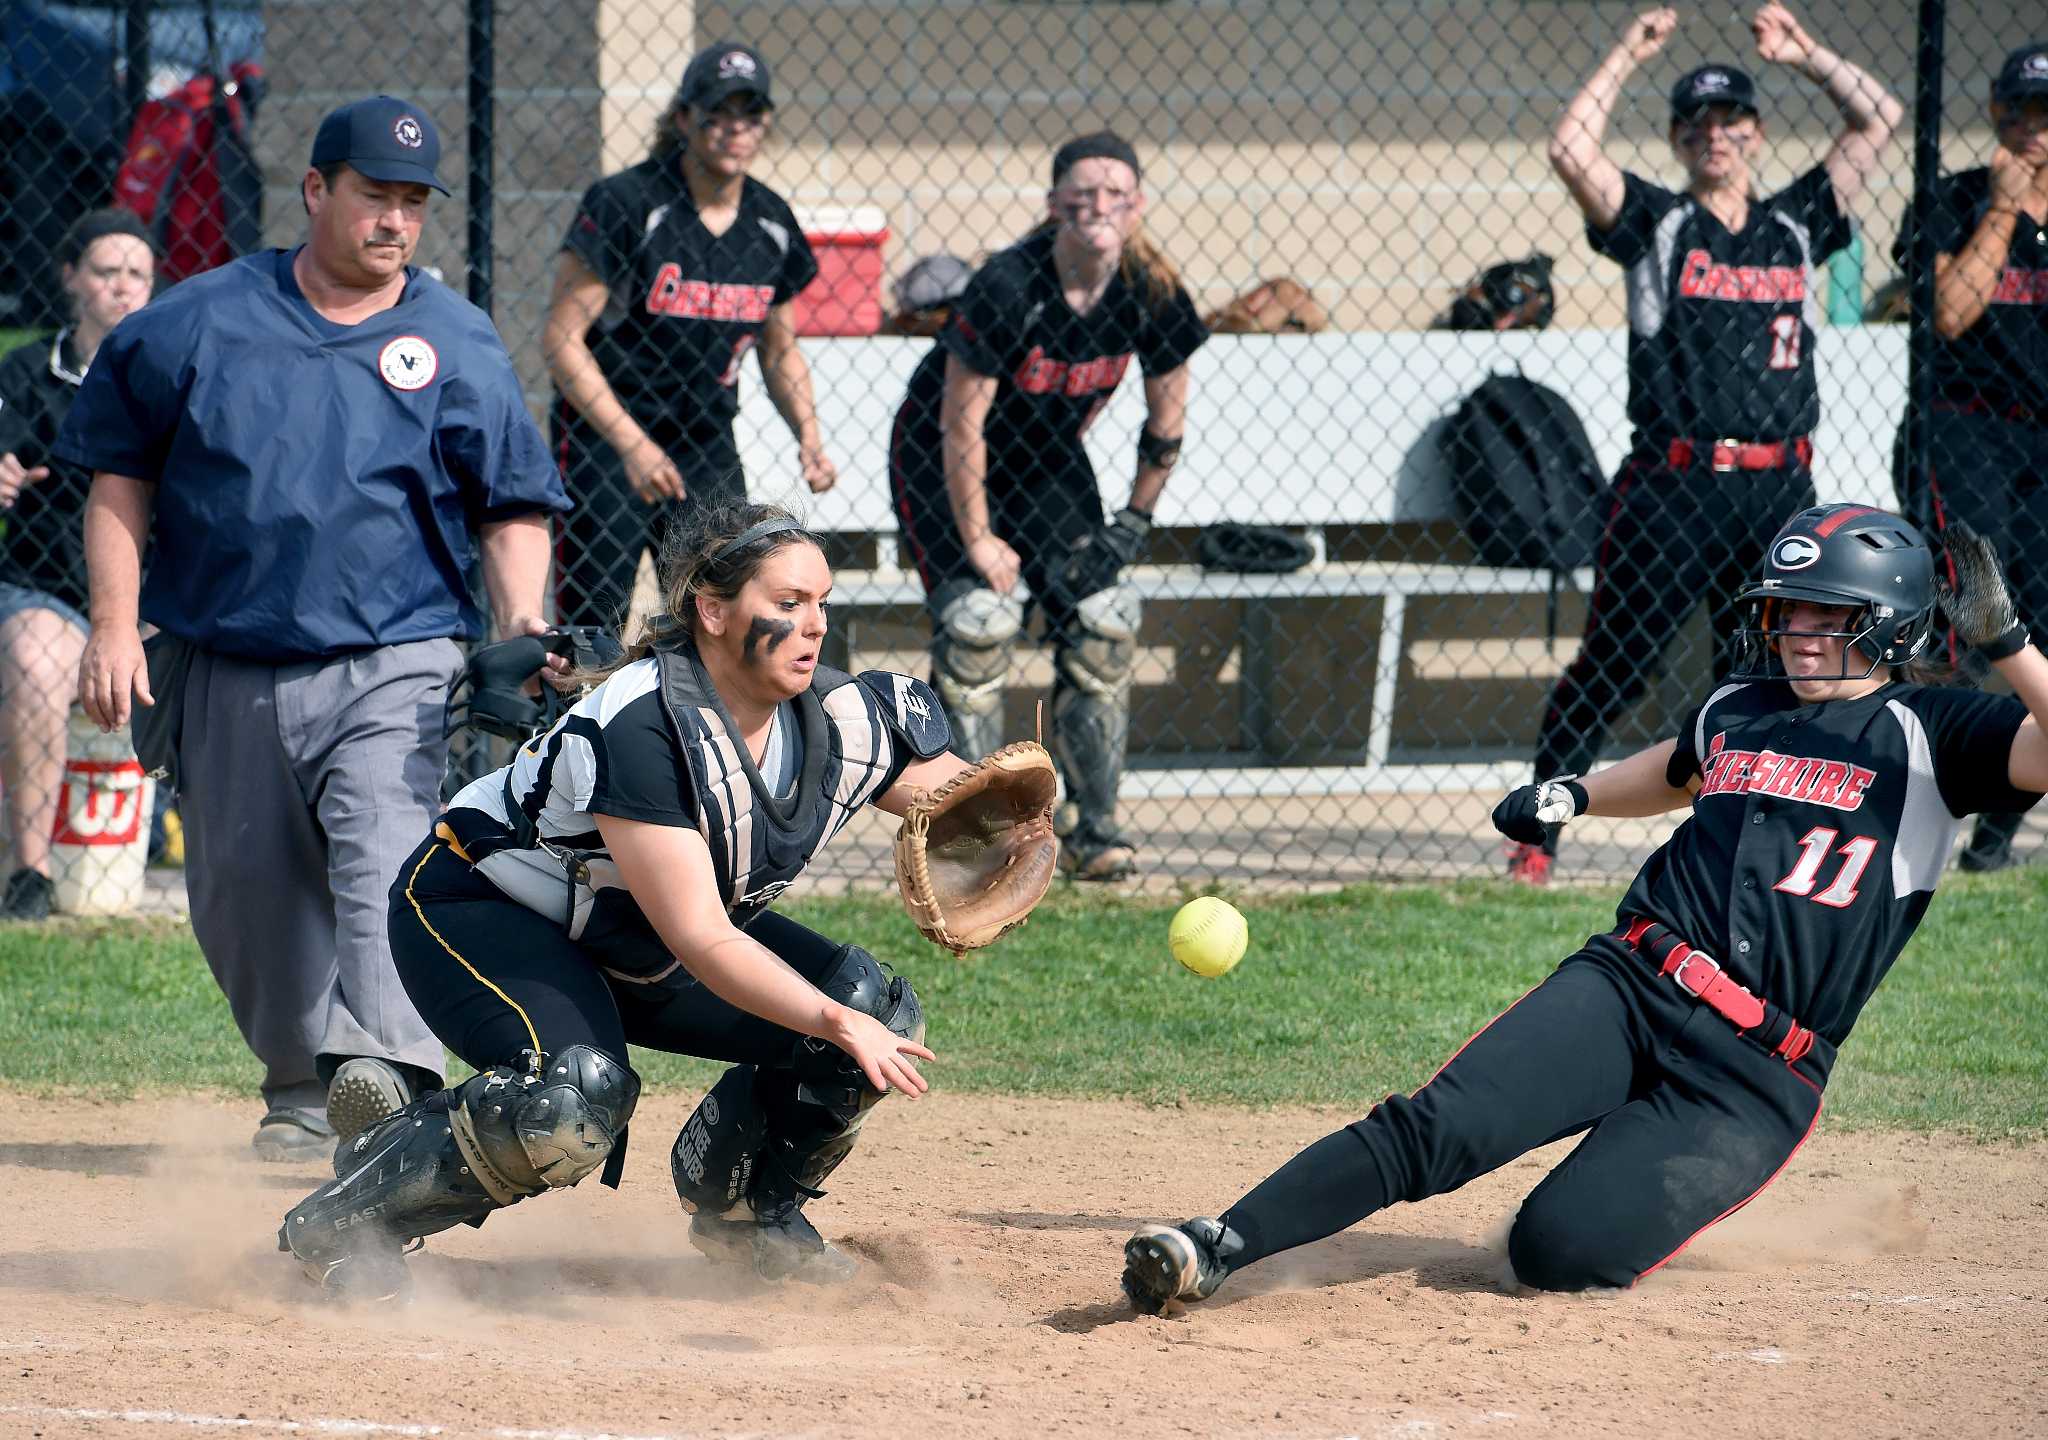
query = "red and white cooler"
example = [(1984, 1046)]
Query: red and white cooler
[(846, 298), (99, 847)]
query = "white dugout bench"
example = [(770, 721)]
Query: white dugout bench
[(1308, 432)]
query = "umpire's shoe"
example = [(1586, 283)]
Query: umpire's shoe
[(364, 1091), (1178, 1262), (287, 1134)]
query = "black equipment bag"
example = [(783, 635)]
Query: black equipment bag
[(1525, 484)]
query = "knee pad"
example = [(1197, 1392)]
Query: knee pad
[(971, 649), (1100, 647), (715, 1154), (546, 1128)]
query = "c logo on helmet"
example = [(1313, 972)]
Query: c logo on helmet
[(1795, 553)]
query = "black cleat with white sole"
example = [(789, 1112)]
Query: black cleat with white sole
[(1182, 1263)]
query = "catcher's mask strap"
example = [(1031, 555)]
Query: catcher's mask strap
[(752, 533)]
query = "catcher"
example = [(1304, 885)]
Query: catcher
[(611, 887)]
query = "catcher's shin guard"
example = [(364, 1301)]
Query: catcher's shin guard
[(453, 1157), (737, 1164), (764, 1140)]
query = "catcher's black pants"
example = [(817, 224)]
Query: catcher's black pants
[(493, 978), (1684, 1119), (1674, 539)]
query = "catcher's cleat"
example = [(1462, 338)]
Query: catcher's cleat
[(372, 1272), (783, 1245), (1178, 1262), (364, 1091), (1529, 865)]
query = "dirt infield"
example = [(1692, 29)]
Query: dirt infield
[(1887, 1285)]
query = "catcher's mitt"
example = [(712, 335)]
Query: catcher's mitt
[(977, 853)]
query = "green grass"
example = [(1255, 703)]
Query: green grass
[(1342, 999)]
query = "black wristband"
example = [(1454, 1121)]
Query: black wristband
[(1578, 793), (2007, 645), (1158, 451)]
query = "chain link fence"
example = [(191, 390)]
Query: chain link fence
[(1379, 586)]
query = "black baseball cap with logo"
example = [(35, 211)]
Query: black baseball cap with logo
[(1711, 85), (2024, 76), (384, 138), (718, 72)]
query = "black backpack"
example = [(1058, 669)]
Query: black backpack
[(1525, 484)]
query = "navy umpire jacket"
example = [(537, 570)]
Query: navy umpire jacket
[(318, 486)]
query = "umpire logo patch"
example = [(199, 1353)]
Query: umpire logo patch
[(408, 363)]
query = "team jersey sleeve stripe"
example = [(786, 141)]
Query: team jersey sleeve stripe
[(1926, 828)]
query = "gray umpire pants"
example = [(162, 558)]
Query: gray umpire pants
[(301, 788)]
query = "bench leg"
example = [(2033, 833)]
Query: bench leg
[(1386, 675), (1255, 677)]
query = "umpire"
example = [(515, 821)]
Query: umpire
[(1987, 432), (316, 442)]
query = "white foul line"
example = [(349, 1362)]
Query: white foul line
[(314, 1427)]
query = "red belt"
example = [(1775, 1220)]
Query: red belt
[(1740, 454), (1701, 976)]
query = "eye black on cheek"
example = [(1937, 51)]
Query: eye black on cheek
[(774, 631)]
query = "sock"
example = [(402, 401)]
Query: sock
[(1328, 1187)]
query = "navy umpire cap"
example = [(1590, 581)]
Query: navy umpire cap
[(1712, 85), (2024, 76), (383, 138), (718, 72)]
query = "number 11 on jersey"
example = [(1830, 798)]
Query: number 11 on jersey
[(1785, 333), (1813, 853)]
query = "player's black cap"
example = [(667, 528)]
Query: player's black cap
[(384, 138), (1102, 145), (1712, 85), (2023, 76), (718, 72)]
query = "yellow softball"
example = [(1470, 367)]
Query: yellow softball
[(1208, 936)]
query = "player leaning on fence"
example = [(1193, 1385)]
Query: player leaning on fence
[(1722, 399), (1987, 431)]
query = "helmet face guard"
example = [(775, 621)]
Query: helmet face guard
[(1873, 633)]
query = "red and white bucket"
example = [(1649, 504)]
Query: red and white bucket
[(99, 847)]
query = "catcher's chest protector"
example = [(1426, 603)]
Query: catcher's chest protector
[(760, 844)]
